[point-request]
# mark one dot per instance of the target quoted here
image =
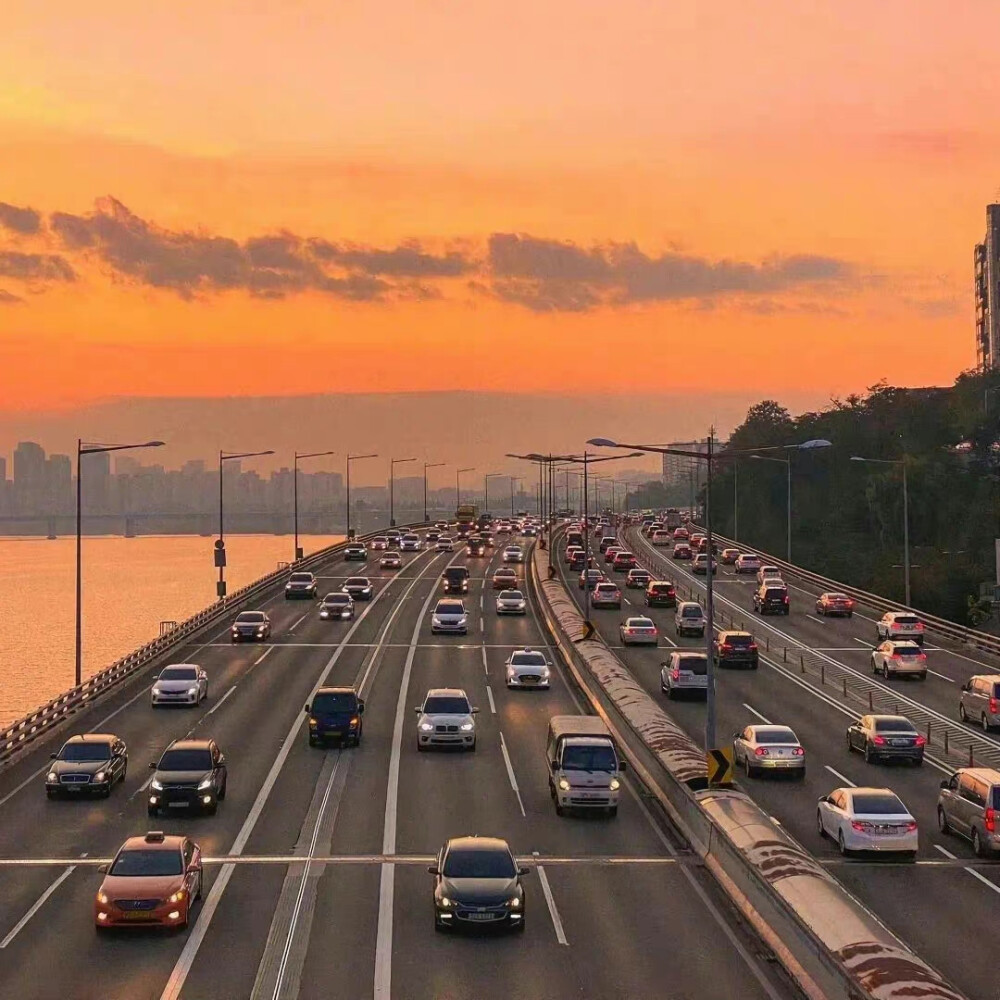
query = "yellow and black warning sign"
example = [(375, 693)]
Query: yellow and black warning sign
[(720, 766)]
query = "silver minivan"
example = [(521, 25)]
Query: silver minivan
[(979, 702), (969, 805), (689, 619)]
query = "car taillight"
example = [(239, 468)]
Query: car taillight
[(671, 592), (752, 646), (726, 647), (991, 820), (860, 826), (919, 626), (911, 827), (798, 752), (993, 706), (920, 741), (922, 656), (896, 656), (786, 598), (761, 751), (676, 673), (878, 740)]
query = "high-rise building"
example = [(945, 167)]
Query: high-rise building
[(29, 477), (679, 469), (987, 271)]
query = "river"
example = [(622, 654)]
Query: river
[(130, 585)]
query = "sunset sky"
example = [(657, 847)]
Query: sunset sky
[(208, 198)]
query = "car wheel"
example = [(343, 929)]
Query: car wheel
[(842, 847), (850, 745), (943, 825), (152, 811), (420, 747), (961, 713), (977, 845), (850, 614), (869, 756), (201, 879), (212, 809), (107, 791), (222, 790), (51, 793), (312, 741), (439, 927), (559, 809), (612, 811), (520, 926), (749, 768), (472, 749), (820, 829), (985, 723), (885, 671), (671, 694)]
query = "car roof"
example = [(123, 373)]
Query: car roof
[(770, 728), (478, 843), (343, 689), (170, 842), (639, 618), (92, 738), (988, 774), (891, 718), (735, 631), (985, 677), (190, 745), (446, 693), (688, 604)]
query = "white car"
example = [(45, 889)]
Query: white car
[(900, 625), (380, 543), (179, 684), (746, 562), (450, 616), (768, 573), (638, 631), (893, 658), (689, 619), (511, 602), (867, 819), (446, 718), (528, 668), (769, 748), (410, 542), (513, 553), (444, 544)]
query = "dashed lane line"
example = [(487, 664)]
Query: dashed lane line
[(550, 902)]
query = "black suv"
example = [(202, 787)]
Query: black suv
[(191, 773), (456, 580), (735, 649), (661, 594), (771, 599), (476, 546), (335, 714)]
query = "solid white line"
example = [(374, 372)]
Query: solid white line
[(750, 708), (822, 621), (218, 704), (551, 903), (837, 774), (387, 881), (510, 774), (864, 642), (182, 967), (489, 695), (972, 871), (298, 623), (942, 676), (39, 903), (263, 656)]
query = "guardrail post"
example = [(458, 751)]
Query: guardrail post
[(929, 726), (871, 706), (784, 654), (822, 672), (972, 762), (845, 687), (946, 742)]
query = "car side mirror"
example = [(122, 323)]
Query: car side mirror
[(965, 687), (946, 783), (307, 709), (475, 711), (222, 759), (523, 871), (622, 764), (361, 707), (195, 866), (102, 869), (434, 870), (417, 709), (152, 766), (53, 756)]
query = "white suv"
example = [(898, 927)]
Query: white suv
[(900, 625), (446, 718)]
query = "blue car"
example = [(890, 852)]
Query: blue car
[(335, 716)]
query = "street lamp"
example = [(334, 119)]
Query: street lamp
[(458, 483), (513, 479), (84, 448), (901, 462), (486, 486), (393, 462), (352, 458), (429, 465), (295, 491), (220, 545)]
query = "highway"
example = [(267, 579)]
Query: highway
[(324, 888), (938, 906)]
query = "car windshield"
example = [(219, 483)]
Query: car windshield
[(411, 538), (877, 804), (776, 736), (339, 599), (894, 726), (185, 760), (640, 623), (446, 705), (528, 659), (143, 862), (906, 619), (473, 862), (512, 595), (250, 617), (85, 751), (178, 674), (691, 612), (693, 663), (357, 581), (335, 701), (589, 758), (301, 578), (773, 594), (739, 640), (449, 608)]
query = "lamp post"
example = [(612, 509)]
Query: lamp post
[(352, 458), (429, 465), (901, 462), (295, 491), (220, 545), (513, 479), (393, 462), (486, 485), (787, 463), (458, 483), (85, 448)]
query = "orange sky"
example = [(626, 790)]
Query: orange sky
[(786, 198)]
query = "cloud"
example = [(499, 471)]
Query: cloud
[(20, 220), (408, 259), (9, 298), (35, 266), (544, 274)]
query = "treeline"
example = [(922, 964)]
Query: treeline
[(847, 516)]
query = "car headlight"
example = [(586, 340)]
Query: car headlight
[(615, 784), (157, 786), (176, 897), (100, 776), (288, 586), (260, 629), (103, 899), (205, 783), (435, 620), (444, 901), (545, 671), (463, 620), (564, 784), (192, 690), (467, 727), (345, 614), (514, 903), (51, 777), (324, 614), (426, 727)]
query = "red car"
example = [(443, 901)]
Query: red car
[(683, 551), (680, 534), (834, 604), (623, 561)]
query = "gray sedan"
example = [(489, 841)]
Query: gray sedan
[(769, 748)]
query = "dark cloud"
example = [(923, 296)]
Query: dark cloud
[(549, 274), (409, 259), (9, 298), (35, 266), (20, 220)]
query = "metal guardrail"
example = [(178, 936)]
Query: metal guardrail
[(24, 731)]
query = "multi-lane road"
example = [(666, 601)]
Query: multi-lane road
[(316, 883), (943, 905)]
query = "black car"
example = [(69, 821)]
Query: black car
[(771, 599), (661, 594), (335, 714), (191, 774), (301, 585), (886, 737), (87, 764), (477, 882), (456, 580), (475, 546), (359, 587), (355, 552), (251, 626), (637, 579), (336, 607), (735, 649)]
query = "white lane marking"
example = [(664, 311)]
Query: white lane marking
[(182, 967), (486, 666), (750, 708), (972, 871), (38, 904), (822, 621), (837, 774), (557, 923), (387, 880), (864, 642), (942, 676), (298, 623), (627, 601), (220, 702), (489, 695), (510, 774), (480, 602), (263, 656)]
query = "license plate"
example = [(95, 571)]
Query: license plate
[(176, 805), (480, 916), (137, 915)]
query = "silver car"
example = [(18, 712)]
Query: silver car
[(969, 804), (769, 748), (527, 668), (689, 619), (446, 718), (410, 542), (513, 553), (685, 673), (979, 702), (179, 684), (511, 602), (893, 658), (450, 616), (444, 544), (867, 819)]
